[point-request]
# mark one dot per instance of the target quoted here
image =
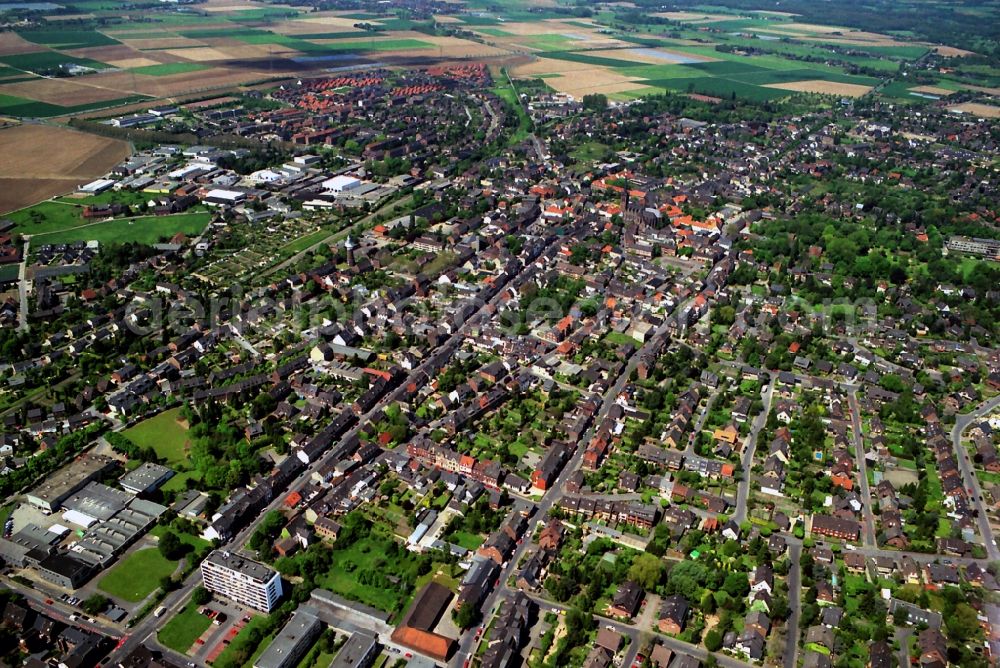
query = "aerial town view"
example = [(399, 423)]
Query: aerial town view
[(499, 333)]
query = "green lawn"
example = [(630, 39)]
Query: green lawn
[(61, 221), (181, 631), (589, 151), (470, 541), (145, 230), (196, 542), (179, 481), (126, 197), (619, 339), (162, 433), (47, 217), (137, 576)]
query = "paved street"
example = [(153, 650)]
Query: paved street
[(467, 644), (859, 456), (743, 492), (971, 480), (794, 604), (22, 288)]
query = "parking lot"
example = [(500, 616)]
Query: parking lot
[(218, 636)]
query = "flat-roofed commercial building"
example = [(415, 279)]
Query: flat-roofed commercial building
[(62, 484), (146, 478), (242, 580)]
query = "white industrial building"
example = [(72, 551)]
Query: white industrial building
[(339, 184)]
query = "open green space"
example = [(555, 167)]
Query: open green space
[(506, 92), (46, 217), (163, 434), (126, 197), (620, 339), (195, 542), (469, 541), (166, 69), (304, 242), (186, 627), (136, 576), (144, 230)]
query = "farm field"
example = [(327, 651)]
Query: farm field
[(709, 50), (976, 109), (165, 434), (121, 581), (43, 161)]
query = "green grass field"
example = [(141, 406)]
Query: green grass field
[(68, 39), (47, 217), (164, 435), (144, 230), (137, 576), (166, 69), (196, 542), (178, 483), (45, 60), (186, 627), (127, 197), (469, 541)]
